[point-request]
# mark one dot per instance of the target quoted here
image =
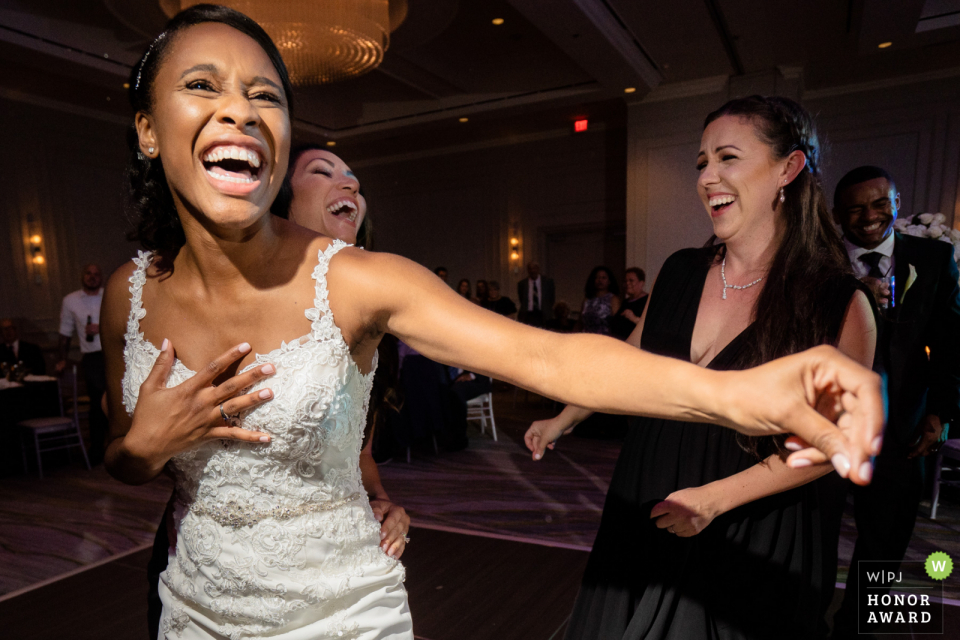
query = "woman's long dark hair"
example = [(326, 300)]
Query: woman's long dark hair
[(281, 206), (149, 205), (590, 289), (797, 308)]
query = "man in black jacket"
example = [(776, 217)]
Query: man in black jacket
[(920, 309), (536, 296), (14, 350)]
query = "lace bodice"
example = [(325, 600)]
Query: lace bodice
[(267, 530)]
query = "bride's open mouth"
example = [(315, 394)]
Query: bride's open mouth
[(233, 169)]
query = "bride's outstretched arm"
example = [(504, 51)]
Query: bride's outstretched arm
[(377, 293)]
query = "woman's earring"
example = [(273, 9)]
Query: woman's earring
[(150, 150), (782, 196)]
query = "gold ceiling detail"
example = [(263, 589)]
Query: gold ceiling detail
[(321, 41)]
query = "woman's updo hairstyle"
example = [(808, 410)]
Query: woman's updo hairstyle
[(149, 200), (797, 308)]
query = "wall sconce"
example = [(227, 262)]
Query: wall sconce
[(36, 257), (515, 249)]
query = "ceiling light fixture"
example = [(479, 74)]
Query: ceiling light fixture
[(331, 143), (884, 45), (464, 119), (497, 21), (321, 41), (630, 90)]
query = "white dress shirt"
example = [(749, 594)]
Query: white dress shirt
[(77, 306), (531, 286), (885, 249)]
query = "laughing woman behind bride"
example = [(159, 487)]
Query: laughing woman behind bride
[(240, 352)]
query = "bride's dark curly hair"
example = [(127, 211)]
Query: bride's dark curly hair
[(797, 308), (149, 201)]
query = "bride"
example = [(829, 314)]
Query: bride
[(273, 534)]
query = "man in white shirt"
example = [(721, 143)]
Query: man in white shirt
[(80, 313), (536, 296)]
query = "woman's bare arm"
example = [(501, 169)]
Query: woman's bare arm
[(377, 293)]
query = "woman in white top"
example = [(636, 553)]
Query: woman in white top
[(240, 351)]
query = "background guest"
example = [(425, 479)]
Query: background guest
[(602, 301), (561, 321), (441, 273), (635, 299), (497, 303), (536, 296), (483, 291), (923, 310), (14, 350), (81, 313), (463, 288)]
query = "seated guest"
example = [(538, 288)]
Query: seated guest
[(497, 303), (922, 310), (483, 291), (14, 350), (561, 321), (463, 288), (441, 273), (625, 320), (602, 301)]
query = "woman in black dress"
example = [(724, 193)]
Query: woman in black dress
[(776, 283), (635, 300)]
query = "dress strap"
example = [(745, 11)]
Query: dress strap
[(137, 280), (320, 316)]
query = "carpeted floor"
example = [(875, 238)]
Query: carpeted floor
[(75, 518)]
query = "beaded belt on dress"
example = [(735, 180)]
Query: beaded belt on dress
[(237, 514)]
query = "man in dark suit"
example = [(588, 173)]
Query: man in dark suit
[(536, 297), (14, 350), (920, 309)]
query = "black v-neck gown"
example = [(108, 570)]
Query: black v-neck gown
[(754, 572)]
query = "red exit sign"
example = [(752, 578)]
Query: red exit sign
[(580, 125)]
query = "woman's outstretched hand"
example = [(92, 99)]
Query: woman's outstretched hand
[(543, 434), (819, 395), (168, 421)]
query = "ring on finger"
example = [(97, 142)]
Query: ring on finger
[(406, 539), (223, 414)]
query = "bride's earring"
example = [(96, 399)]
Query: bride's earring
[(782, 196), (150, 150)]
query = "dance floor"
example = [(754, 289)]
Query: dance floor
[(497, 549)]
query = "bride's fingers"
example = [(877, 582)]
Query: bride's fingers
[(236, 433), (157, 378), (234, 407), (238, 383), (806, 457), (206, 375)]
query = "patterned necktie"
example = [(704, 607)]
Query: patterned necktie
[(536, 295), (872, 260)]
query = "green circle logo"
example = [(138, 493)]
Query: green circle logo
[(939, 566)]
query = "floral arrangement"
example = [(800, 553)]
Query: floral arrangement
[(930, 225)]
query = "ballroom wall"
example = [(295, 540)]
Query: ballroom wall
[(910, 126), (61, 176)]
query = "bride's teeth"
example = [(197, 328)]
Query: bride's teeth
[(234, 153), (226, 178)]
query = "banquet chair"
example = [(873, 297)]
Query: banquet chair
[(481, 409), (950, 451), (58, 432)]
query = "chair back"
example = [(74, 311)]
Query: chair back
[(68, 379)]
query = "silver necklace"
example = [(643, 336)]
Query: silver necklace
[(723, 276)]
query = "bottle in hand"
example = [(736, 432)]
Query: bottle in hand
[(89, 335)]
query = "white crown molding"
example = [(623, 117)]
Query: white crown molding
[(49, 103)]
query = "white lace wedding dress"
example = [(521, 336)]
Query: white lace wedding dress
[(278, 540)]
